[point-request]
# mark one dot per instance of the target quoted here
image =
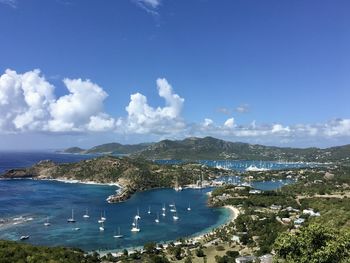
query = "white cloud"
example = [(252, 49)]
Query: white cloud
[(28, 103), (278, 128), (150, 6), (339, 127), (229, 123), (208, 122), (151, 3), (73, 111), (142, 118), (101, 123), (11, 3), (242, 108), (24, 100)]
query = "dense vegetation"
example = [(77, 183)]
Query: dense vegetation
[(111, 148), (14, 252), (132, 174), (210, 148), (314, 244)]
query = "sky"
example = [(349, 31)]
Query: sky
[(86, 72)]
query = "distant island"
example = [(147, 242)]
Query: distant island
[(209, 148)]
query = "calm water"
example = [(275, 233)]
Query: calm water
[(41, 199)]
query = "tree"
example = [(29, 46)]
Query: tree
[(313, 244), (150, 247), (200, 252)]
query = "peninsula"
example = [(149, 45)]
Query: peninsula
[(131, 175)]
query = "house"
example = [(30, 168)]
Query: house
[(299, 221), (311, 212), (268, 258), (286, 220), (275, 207), (245, 259), (235, 238), (255, 191)]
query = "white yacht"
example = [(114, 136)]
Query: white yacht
[(119, 235), (86, 214), (71, 220), (47, 223), (135, 227), (175, 217), (138, 217), (102, 227), (157, 219)]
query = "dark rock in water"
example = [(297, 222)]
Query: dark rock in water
[(120, 197), (16, 173)]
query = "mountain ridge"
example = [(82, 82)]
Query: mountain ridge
[(210, 148)]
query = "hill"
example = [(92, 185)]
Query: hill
[(131, 174), (110, 148), (210, 148)]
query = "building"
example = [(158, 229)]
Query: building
[(268, 258), (246, 259)]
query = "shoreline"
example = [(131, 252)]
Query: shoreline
[(67, 181), (196, 237), (234, 212)]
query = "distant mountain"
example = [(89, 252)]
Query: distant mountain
[(110, 148), (73, 150), (210, 148)]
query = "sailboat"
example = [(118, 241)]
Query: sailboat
[(149, 210), (47, 223), (135, 227), (173, 209), (119, 235), (102, 219), (175, 217), (157, 219), (24, 237), (102, 227), (163, 208), (71, 220), (104, 216), (86, 214), (137, 217), (189, 207)]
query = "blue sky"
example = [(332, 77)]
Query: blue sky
[(270, 72)]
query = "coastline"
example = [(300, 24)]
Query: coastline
[(234, 212), (195, 238)]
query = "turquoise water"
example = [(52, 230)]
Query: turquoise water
[(41, 199), (37, 200)]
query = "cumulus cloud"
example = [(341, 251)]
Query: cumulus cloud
[(143, 118), (229, 123), (74, 111), (24, 100), (275, 133), (208, 122), (28, 103)]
